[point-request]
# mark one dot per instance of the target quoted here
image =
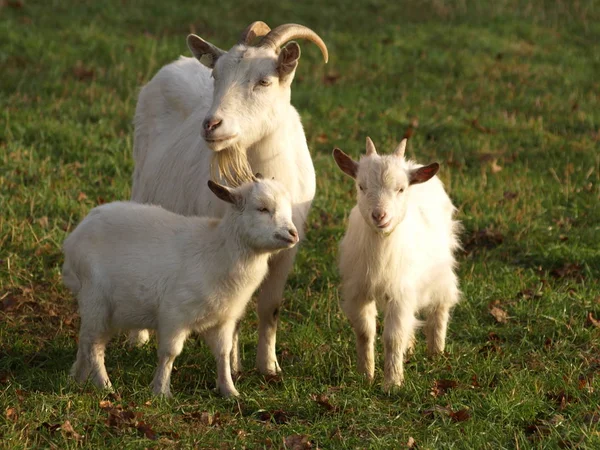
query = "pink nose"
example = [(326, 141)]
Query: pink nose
[(378, 215), (211, 124)]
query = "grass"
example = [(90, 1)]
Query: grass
[(505, 95)]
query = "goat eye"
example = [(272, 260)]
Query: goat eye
[(400, 191), (360, 186), (264, 82), (262, 210)]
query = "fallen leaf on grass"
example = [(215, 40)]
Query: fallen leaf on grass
[(498, 313), (568, 270), (43, 221), (411, 442), (458, 416), (561, 399), (475, 123), (495, 167), (331, 78), (414, 124), (297, 442), (322, 138), (49, 427), (440, 387), (11, 414), (278, 416), (83, 73), (592, 320), (541, 428), (9, 303), (81, 197), (145, 430), (15, 4), (486, 238), (204, 417), (323, 400), (461, 415), (70, 431)]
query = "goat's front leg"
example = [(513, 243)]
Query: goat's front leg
[(362, 315), (170, 345), (399, 327), (220, 341), (270, 299)]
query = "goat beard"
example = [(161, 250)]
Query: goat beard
[(231, 166)]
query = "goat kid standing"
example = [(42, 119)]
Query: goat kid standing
[(135, 266), (398, 256)]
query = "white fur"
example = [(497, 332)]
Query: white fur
[(135, 266), (173, 160), (404, 267)]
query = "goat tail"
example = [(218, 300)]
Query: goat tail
[(70, 278)]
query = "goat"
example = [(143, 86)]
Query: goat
[(397, 256), (227, 114), (135, 266)]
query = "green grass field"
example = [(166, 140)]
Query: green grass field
[(504, 94)]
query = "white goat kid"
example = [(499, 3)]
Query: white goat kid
[(236, 109), (135, 266), (397, 255)]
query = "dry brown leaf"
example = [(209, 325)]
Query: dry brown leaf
[(499, 314), (592, 320), (11, 414), (475, 123), (322, 138), (81, 197), (460, 415), (70, 431), (9, 303), (323, 400), (495, 167), (331, 78), (83, 73), (297, 442), (43, 221), (278, 416), (440, 387), (105, 404), (145, 429), (411, 443)]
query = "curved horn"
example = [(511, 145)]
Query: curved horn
[(255, 29), (284, 33)]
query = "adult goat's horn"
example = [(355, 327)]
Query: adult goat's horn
[(284, 33), (255, 29)]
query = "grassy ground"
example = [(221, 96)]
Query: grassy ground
[(505, 95)]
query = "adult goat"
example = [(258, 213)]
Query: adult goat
[(189, 127)]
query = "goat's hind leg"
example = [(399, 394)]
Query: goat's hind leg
[(436, 322), (93, 339)]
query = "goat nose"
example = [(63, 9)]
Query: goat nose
[(211, 124), (293, 233), (378, 216)]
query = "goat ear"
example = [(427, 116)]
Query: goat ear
[(422, 174), (399, 152), (288, 60), (370, 147), (224, 193), (344, 162), (204, 51)]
